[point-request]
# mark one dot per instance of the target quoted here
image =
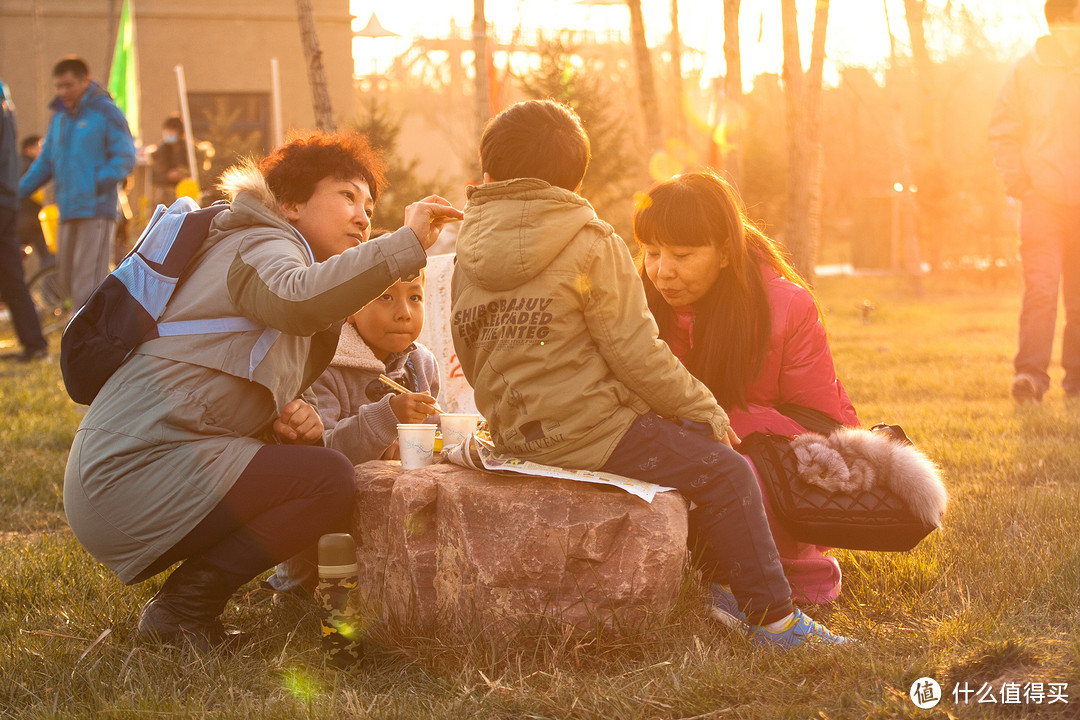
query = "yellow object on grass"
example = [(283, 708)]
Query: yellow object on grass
[(49, 217)]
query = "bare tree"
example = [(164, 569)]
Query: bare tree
[(309, 38), (482, 86), (914, 13), (650, 108), (733, 92), (802, 93), (928, 170), (675, 40), (904, 242)]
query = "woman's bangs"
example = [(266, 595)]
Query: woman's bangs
[(669, 223)]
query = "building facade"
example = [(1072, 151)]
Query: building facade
[(224, 46)]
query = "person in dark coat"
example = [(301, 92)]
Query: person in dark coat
[(12, 283), (169, 160)]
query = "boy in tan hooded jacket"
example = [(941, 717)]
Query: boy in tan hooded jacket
[(553, 332)]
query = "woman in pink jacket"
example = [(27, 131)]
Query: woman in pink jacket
[(738, 315)]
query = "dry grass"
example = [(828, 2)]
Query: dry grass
[(989, 598)]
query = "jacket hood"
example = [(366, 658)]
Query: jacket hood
[(252, 201), (353, 352), (95, 97), (1048, 52), (513, 229)]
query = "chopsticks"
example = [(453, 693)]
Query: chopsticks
[(402, 389)]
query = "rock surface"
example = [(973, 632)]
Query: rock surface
[(449, 545)]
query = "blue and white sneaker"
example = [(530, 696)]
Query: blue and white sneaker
[(798, 630), (724, 608)]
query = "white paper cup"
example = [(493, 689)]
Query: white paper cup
[(456, 427), (416, 444)]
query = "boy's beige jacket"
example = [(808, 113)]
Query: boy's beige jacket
[(552, 330)]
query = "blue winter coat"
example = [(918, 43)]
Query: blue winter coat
[(87, 151)]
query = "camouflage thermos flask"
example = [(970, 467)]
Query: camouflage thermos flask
[(341, 623)]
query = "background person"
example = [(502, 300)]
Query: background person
[(88, 151), (169, 161), (28, 223), (206, 448), (1033, 134), (731, 307), (12, 283)]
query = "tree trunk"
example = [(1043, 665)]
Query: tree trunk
[(802, 96), (650, 108), (482, 88), (731, 112), (320, 96), (928, 166), (904, 239), (676, 73)]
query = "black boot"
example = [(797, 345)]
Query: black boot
[(187, 609)]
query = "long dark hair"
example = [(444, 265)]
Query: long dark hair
[(732, 322)]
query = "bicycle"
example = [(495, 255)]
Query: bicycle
[(53, 309)]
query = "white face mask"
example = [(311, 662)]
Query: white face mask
[(170, 137)]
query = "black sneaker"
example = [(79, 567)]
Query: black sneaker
[(1025, 392)]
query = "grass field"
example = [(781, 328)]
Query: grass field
[(990, 600)]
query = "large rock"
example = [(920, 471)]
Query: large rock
[(466, 548)]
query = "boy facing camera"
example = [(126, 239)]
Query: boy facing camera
[(359, 413), (552, 329)]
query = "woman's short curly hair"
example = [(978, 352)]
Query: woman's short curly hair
[(292, 170)]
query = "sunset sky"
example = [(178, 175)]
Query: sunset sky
[(857, 32)]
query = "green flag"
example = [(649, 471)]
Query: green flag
[(123, 76)]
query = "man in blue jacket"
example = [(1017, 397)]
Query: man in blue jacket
[(88, 151), (12, 284)]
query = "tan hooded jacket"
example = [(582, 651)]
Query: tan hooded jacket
[(552, 330)]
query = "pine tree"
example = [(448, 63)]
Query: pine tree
[(402, 184)]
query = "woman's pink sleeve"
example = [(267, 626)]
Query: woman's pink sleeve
[(807, 373)]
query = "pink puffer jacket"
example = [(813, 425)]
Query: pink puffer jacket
[(798, 369)]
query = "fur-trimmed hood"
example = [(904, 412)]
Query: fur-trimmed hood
[(251, 203), (246, 177)]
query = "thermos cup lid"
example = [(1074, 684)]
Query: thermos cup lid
[(337, 554)]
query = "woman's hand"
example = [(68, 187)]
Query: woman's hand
[(412, 407), (299, 424), (426, 218)]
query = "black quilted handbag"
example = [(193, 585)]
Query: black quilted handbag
[(873, 519)]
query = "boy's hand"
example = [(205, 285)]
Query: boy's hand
[(392, 452), (299, 424), (412, 407), (730, 439), (426, 218)]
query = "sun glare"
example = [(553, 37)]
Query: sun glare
[(858, 33)]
